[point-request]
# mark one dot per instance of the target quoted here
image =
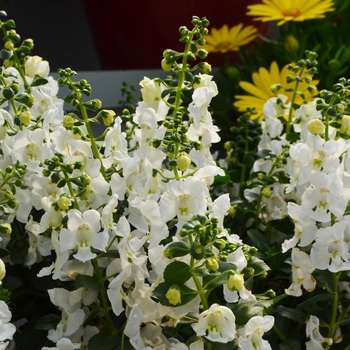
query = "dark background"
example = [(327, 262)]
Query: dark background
[(88, 35)]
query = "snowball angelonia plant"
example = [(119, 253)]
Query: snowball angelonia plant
[(116, 239), (297, 198)]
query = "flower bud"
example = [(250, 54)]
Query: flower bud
[(173, 295), (166, 65), (108, 117), (212, 265), (64, 203), (9, 45), (316, 127), (25, 118), (2, 270), (68, 122), (5, 230), (183, 162), (291, 44), (85, 179), (266, 192), (235, 282)]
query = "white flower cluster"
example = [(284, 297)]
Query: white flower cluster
[(315, 199), (81, 190)]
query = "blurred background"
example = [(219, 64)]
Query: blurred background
[(88, 35)]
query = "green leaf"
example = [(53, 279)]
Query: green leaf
[(221, 180), (214, 280), (314, 299), (223, 346), (104, 341), (293, 314), (85, 281), (245, 311), (48, 322), (256, 237), (38, 81), (258, 265), (177, 272), (187, 294)]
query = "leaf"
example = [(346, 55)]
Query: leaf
[(104, 341), (221, 180), (293, 314), (245, 311), (48, 322), (214, 280), (38, 81), (177, 272), (258, 265), (256, 237), (317, 297), (85, 281), (223, 346), (187, 294)]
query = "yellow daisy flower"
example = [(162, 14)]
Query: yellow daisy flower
[(224, 39), (290, 10), (260, 90)]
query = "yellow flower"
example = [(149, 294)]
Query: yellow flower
[(290, 10), (260, 91), (224, 39)]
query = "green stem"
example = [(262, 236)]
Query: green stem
[(95, 149), (290, 116), (104, 299), (333, 321), (71, 190)]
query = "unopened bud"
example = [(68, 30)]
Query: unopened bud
[(25, 118), (235, 282), (291, 44), (64, 203), (107, 117), (173, 295), (68, 122), (5, 229), (183, 162), (2, 270), (316, 127), (212, 265), (166, 65)]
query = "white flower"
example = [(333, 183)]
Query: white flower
[(250, 336), (302, 269), (7, 329), (324, 196), (63, 344), (317, 341), (304, 228), (330, 251), (217, 324), (35, 65), (184, 199), (83, 233)]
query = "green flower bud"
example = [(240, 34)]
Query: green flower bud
[(183, 162), (205, 67), (266, 192), (5, 230), (235, 282), (212, 265), (29, 43), (316, 127), (25, 118), (85, 179), (2, 270), (291, 44), (232, 211), (64, 203), (173, 295), (12, 203), (197, 251), (68, 122), (9, 45), (166, 65), (107, 117), (334, 64)]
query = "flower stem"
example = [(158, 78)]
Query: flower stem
[(104, 299), (333, 322)]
